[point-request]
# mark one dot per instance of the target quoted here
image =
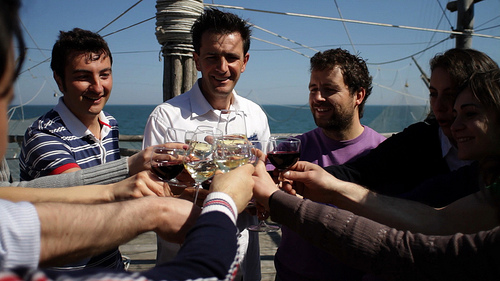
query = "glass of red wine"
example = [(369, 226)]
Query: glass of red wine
[(283, 153), (167, 163)]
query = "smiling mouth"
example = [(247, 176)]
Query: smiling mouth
[(223, 79), (322, 109), (463, 139), (92, 99)]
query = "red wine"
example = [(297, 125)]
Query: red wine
[(167, 171), (283, 159)]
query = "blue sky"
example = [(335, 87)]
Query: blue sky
[(274, 75)]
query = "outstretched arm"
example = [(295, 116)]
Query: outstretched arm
[(72, 231), (391, 253), (139, 185), (314, 183)]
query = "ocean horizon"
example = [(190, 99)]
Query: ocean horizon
[(283, 119)]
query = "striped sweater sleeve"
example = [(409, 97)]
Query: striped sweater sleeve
[(19, 235)]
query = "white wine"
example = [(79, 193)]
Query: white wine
[(201, 170), (231, 162)]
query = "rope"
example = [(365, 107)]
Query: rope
[(174, 19)]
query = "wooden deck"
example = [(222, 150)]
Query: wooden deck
[(142, 252)]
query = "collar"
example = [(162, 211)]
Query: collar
[(200, 106), (75, 126), (446, 145)]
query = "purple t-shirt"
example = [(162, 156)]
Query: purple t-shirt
[(297, 259)]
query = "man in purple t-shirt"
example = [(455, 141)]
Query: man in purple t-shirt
[(339, 86)]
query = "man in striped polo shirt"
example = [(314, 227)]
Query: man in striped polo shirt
[(76, 134)]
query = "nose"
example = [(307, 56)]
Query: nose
[(222, 65), (457, 125), (317, 96), (96, 85)]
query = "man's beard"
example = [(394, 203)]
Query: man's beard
[(338, 122)]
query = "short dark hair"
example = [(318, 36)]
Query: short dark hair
[(215, 21), (77, 40), (353, 68), (10, 30)]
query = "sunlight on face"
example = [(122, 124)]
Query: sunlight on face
[(475, 128)]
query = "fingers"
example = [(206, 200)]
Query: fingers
[(175, 145)]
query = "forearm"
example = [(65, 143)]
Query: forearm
[(460, 216), (391, 211), (72, 231), (110, 172), (374, 247), (76, 194)]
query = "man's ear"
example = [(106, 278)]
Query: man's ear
[(196, 58), (360, 96), (60, 82), (245, 61)]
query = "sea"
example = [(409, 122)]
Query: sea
[(283, 119)]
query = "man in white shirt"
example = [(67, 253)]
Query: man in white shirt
[(221, 43)]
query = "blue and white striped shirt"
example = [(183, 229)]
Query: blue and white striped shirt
[(58, 141)]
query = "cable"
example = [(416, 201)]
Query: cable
[(486, 28), (126, 11), (345, 27), (444, 14), (284, 47), (407, 57), (356, 21), (130, 26), (282, 37)]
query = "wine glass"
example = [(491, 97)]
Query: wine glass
[(232, 123), (263, 226), (283, 153), (167, 163), (199, 157), (176, 135), (231, 152)]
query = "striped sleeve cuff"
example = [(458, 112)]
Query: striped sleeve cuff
[(220, 202)]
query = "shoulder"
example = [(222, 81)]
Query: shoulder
[(176, 104), (50, 122), (314, 133), (112, 120), (371, 133)]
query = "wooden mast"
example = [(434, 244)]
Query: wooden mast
[(174, 19)]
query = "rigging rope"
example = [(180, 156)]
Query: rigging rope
[(355, 21)]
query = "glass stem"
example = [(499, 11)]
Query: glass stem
[(197, 188)]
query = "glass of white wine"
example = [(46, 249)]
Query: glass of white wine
[(231, 152), (232, 123), (199, 160)]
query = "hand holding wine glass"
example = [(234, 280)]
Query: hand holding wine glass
[(167, 163)]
